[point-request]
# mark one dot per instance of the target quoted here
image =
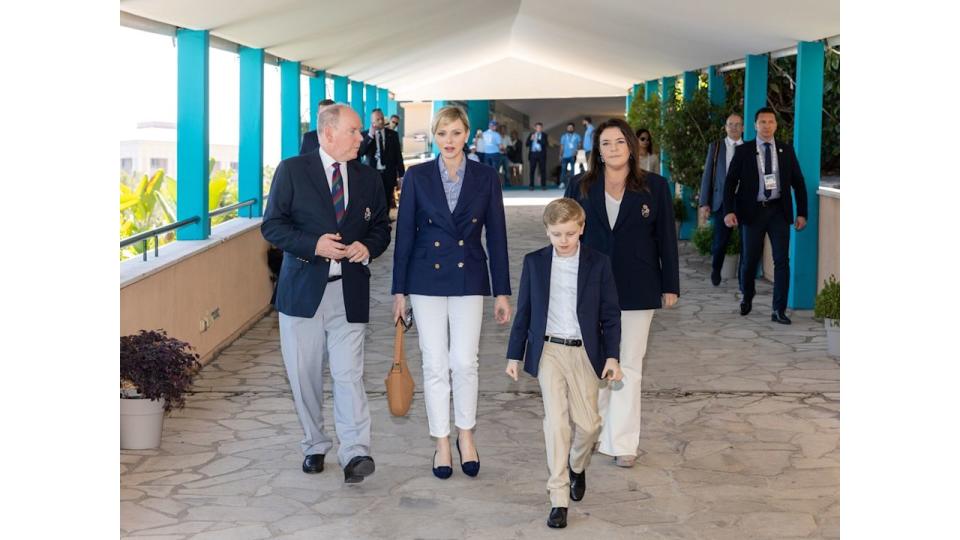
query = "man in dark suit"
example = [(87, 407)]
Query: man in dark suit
[(537, 144), (381, 150), (757, 194), (719, 156), (309, 142), (329, 216)]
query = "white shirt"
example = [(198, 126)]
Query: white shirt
[(613, 209), (562, 319), (328, 162), (731, 148)]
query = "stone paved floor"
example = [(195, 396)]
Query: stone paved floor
[(740, 439)]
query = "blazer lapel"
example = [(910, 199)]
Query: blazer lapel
[(546, 258), (319, 177), (582, 272), (470, 181), (598, 199), (354, 194), (439, 196), (627, 204)]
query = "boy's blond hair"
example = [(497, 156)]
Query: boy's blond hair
[(562, 211)]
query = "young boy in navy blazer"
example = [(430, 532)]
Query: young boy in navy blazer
[(568, 323)]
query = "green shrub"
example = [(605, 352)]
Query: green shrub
[(827, 303), (679, 209), (703, 239), (733, 245)]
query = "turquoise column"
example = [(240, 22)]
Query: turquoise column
[(437, 105), (356, 99), (754, 92), (193, 132), (667, 95), (318, 92), (716, 89), (478, 112), (339, 89), (691, 83), (250, 175), (289, 108), (629, 98), (383, 101), (807, 135), (370, 103), (650, 89)]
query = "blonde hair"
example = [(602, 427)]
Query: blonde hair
[(450, 113), (562, 211)]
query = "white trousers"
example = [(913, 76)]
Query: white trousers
[(449, 330), (620, 403)]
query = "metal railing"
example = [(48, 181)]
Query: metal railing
[(155, 233)]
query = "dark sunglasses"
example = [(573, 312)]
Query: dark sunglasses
[(644, 138)]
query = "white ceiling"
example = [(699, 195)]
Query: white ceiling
[(504, 49)]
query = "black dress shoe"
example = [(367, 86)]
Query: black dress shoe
[(557, 518), (578, 484), (715, 278), (745, 307), (313, 464), (443, 471), (470, 468), (358, 468), (780, 317)]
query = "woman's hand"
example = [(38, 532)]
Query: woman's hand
[(669, 300), (399, 306), (611, 370), (513, 369), (501, 309)]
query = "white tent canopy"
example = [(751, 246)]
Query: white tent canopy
[(503, 49)]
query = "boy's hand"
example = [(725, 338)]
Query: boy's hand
[(611, 370), (513, 369)]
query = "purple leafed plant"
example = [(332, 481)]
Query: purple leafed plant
[(157, 366)]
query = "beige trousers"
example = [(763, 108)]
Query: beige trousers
[(620, 403), (569, 386)]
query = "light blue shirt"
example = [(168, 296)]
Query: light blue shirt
[(775, 192), (570, 142), (451, 185), (588, 138), (491, 142)]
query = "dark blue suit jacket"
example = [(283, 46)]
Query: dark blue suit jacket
[(743, 183), (597, 309), (300, 210), (714, 174), (440, 254), (642, 244)]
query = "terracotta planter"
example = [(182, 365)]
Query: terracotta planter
[(833, 336), (141, 423), (729, 268)]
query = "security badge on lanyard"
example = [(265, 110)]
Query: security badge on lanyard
[(769, 180)]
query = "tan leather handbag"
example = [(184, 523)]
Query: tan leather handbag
[(399, 381)]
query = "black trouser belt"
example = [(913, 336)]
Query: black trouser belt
[(770, 202), (561, 341), (333, 278)]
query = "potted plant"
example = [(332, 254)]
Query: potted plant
[(826, 306), (703, 239), (155, 373), (732, 259)]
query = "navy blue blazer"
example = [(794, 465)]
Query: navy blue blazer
[(642, 244), (712, 181), (300, 210), (438, 253), (597, 309), (743, 183)]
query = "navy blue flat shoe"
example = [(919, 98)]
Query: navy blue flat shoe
[(470, 468), (442, 472)]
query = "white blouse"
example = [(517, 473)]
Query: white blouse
[(613, 209)]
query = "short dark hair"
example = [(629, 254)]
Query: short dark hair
[(538, 124), (588, 119), (324, 102), (571, 124), (378, 109), (392, 116), (763, 110)]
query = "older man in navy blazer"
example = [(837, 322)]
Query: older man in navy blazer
[(328, 214), (757, 194), (719, 156)]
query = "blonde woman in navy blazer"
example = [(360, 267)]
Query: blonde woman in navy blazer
[(445, 206), (629, 218)]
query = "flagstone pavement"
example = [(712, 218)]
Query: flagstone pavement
[(740, 440)]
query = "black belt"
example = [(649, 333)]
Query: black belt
[(561, 341), (769, 202), (333, 278)]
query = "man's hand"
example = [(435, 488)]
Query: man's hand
[(801, 223), (669, 300), (329, 246), (501, 309), (513, 369), (705, 212), (357, 252), (730, 220), (611, 370)]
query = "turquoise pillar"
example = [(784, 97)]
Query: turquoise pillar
[(650, 89), (339, 89), (754, 92), (250, 175), (370, 102), (691, 83), (478, 112), (289, 108), (807, 135), (629, 99), (318, 92), (716, 88), (383, 101), (437, 105), (667, 95), (356, 99), (193, 132)]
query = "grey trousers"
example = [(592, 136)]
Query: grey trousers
[(305, 343)]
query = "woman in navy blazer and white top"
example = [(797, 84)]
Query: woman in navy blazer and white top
[(630, 218), (439, 261)]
